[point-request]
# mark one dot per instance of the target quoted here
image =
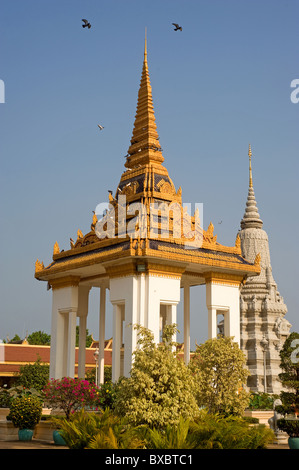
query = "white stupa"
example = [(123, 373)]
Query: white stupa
[(263, 327)]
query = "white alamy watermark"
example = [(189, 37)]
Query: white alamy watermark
[(2, 91), (295, 93), (162, 221)]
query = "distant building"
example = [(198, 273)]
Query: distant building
[(13, 356)]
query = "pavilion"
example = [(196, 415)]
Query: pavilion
[(144, 249)]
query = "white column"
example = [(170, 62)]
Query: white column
[(102, 334), (186, 324), (233, 315), (142, 296), (57, 344), (153, 300), (82, 346), (63, 329), (83, 294), (116, 342), (171, 318), (212, 322), (71, 345), (132, 308)]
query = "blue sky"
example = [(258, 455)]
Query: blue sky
[(220, 84)]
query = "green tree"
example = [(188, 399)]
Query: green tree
[(89, 338), (160, 388), (33, 375), (39, 338), (219, 368), (15, 339), (289, 376)]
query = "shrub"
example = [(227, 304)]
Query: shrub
[(219, 368), (102, 430), (171, 437), (20, 391), (262, 401), (105, 430), (5, 398), (25, 411), (160, 388), (33, 375), (290, 426), (214, 431), (107, 395), (70, 394), (209, 431)]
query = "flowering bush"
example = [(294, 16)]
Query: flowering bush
[(70, 394), (25, 411), (107, 395)]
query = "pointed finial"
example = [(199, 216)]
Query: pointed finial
[(250, 169), (145, 46), (56, 249)]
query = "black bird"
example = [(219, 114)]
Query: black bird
[(86, 24), (177, 27)]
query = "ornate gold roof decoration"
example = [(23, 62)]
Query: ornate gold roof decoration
[(94, 221), (257, 261), (39, 266), (56, 249), (238, 243), (209, 234)]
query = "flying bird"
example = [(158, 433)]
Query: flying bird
[(100, 127), (86, 24), (177, 27)]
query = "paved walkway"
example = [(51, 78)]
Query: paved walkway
[(38, 444), (34, 444)]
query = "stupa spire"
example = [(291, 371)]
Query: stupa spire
[(145, 147), (250, 169), (251, 218)]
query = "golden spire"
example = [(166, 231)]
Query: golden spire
[(145, 147), (250, 169), (145, 47)]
